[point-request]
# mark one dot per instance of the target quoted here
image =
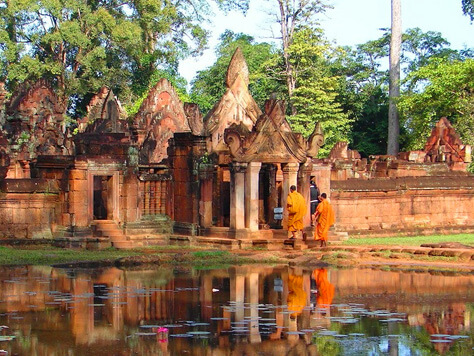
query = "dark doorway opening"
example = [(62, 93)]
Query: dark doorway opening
[(103, 197)]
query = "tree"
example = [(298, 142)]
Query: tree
[(314, 97), (209, 85), (468, 8), (363, 95), (81, 45), (441, 88), (291, 16), (394, 86)]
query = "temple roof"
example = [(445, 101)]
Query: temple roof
[(270, 141), (236, 107)]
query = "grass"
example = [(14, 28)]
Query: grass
[(47, 255), (465, 239)]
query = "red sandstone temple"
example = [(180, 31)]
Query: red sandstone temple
[(170, 173)]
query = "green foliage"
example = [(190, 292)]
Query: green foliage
[(468, 8), (466, 239), (441, 88), (363, 85), (209, 85), (42, 255), (82, 45), (315, 95)]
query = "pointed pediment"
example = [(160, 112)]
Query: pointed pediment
[(160, 116), (271, 141), (236, 107), (104, 114)]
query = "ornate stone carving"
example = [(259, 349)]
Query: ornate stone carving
[(236, 107), (315, 141), (270, 141), (341, 151), (4, 156), (104, 114), (160, 116), (35, 123), (195, 119), (444, 145)]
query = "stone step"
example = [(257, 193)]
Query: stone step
[(123, 244)]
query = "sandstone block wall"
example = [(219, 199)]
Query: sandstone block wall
[(397, 205), (29, 209)]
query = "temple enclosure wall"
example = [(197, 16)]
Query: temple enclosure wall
[(404, 205), (29, 208)]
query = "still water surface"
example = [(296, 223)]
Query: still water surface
[(244, 310)]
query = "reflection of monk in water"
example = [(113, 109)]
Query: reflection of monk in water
[(296, 296), (325, 288)]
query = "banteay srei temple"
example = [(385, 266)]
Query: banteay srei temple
[(172, 173)]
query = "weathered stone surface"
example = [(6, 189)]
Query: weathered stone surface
[(236, 107), (444, 145), (35, 123), (159, 117), (270, 141), (104, 115)]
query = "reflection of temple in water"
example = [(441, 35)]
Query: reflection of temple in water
[(244, 309)]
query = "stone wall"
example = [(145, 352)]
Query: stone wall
[(29, 209), (404, 205)]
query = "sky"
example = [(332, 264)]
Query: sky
[(350, 22)]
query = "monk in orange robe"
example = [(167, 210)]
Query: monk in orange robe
[(325, 288), (296, 206), (296, 295), (325, 216)]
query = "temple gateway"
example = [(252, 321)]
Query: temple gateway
[(171, 174)]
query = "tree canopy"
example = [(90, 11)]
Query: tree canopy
[(81, 45)]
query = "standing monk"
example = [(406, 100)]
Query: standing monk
[(296, 206), (325, 217)]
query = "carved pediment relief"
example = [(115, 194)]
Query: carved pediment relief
[(35, 122), (104, 114), (161, 115), (236, 107), (444, 144), (271, 140)]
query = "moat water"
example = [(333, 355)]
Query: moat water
[(241, 310)]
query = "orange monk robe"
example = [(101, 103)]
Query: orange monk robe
[(325, 288), (296, 295), (296, 211), (325, 220)]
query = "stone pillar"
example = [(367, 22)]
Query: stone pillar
[(273, 195), (251, 195), (253, 294), (303, 188), (237, 195), (205, 205), (237, 293), (322, 177), (290, 177)]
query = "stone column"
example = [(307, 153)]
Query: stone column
[(322, 177), (253, 295), (290, 177), (273, 194), (251, 195), (237, 197), (303, 188), (205, 203), (237, 293)]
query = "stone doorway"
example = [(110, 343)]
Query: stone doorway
[(103, 198)]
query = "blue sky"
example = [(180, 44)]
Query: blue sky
[(351, 22)]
